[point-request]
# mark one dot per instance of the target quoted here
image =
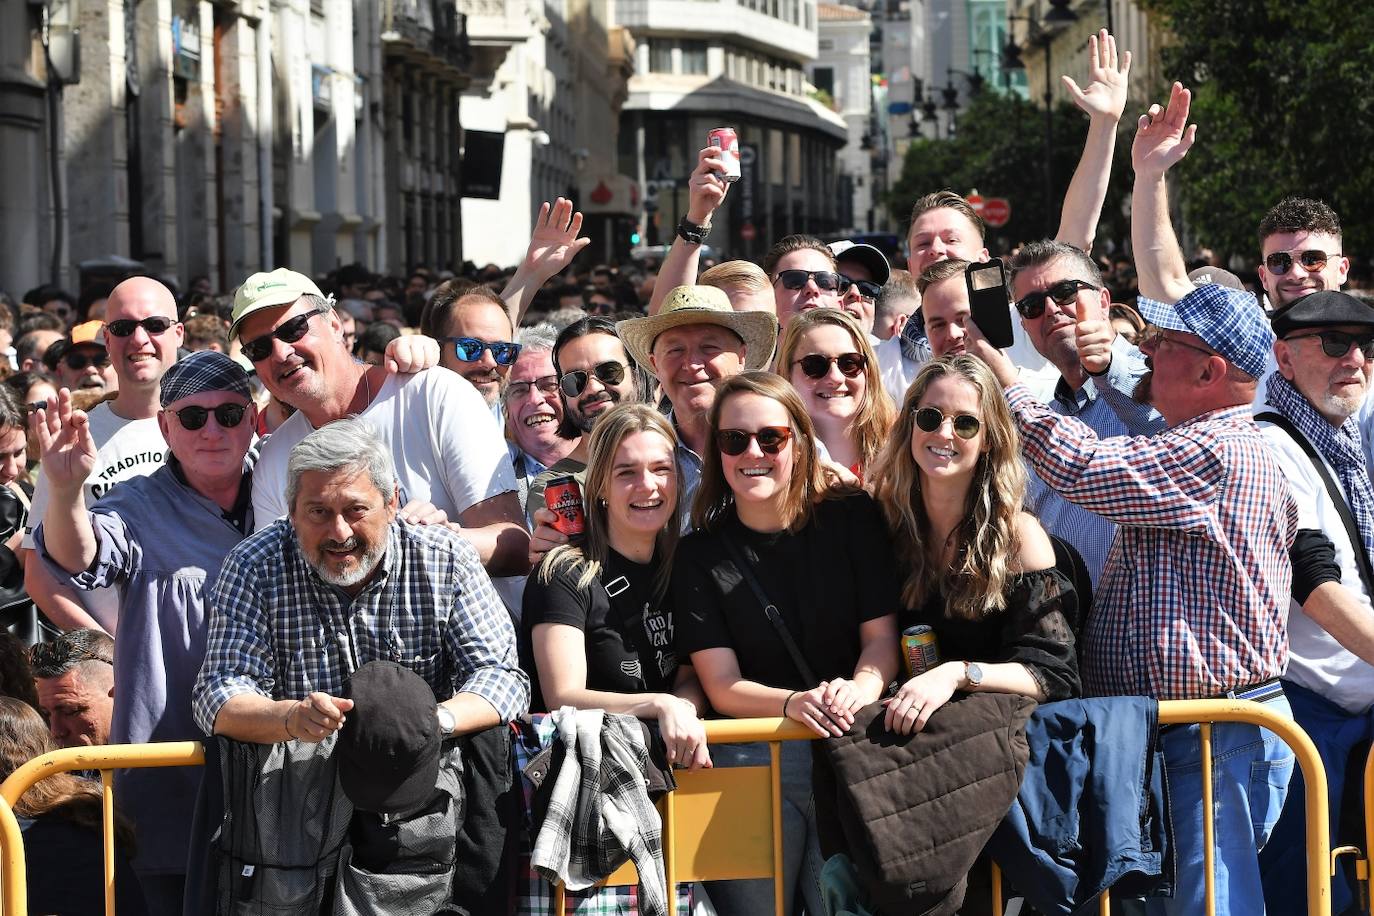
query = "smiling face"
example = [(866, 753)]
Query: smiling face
[(941, 456), (756, 477), (1335, 385), (642, 491), (789, 302), (95, 372), (140, 359), (341, 522), (212, 452), (946, 308), (1298, 281), (1052, 334), (489, 323), (692, 361), (584, 354), (297, 373), (533, 408), (941, 234), (832, 395)]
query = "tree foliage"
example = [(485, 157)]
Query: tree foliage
[(1283, 93), (999, 149)]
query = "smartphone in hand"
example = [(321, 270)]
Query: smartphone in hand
[(989, 301)]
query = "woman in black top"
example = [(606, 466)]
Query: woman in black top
[(979, 571), (597, 625)]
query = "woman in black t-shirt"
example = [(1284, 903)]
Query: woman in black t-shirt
[(979, 570), (597, 625)]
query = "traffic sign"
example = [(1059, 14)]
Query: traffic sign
[(975, 200), (996, 211)]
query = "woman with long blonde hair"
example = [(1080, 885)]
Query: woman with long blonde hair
[(978, 570), (597, 622), (828, 359)]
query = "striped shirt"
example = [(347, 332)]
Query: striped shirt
[(1193, 599), (278, 630)]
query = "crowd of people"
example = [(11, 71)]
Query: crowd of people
[(324, 525)]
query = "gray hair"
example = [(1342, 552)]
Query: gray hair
[(84, 649), (348, 444), (541, 336), (319, 302)]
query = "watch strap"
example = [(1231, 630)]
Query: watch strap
[(690, 232)]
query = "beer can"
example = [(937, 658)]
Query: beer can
[(563, 496), (920, 652), (727, 141)]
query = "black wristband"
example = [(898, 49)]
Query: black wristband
[(691, 232), (1103, 372)]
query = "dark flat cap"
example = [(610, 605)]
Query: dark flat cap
[(1323, 309)]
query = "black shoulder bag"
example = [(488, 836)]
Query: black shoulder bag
[(770, 610), (1333, 490)]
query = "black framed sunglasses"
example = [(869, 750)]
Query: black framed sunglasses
[(1337, 344), (469, 349), (77, 362), (1311, 259), (1063, 292), (867, 289), (547, 385), (929, 419), (826, 280), (154, 325), (34, 406), (771, 440), (288, 332), (226, 415), (817, 366), (608, 373)]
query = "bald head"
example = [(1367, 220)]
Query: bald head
[(146, 350), (142, 294)]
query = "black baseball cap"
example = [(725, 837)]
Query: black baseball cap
[(388, 748)]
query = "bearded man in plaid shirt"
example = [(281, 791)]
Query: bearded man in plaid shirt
[(1193, 600)]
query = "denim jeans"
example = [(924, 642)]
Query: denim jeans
[(801, 851), (1251, 767), (1336, 733)]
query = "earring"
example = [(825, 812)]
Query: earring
[(601, 501)]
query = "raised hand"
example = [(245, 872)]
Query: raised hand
[(554, 243), (706, 188), (65, 443), (1105, 94), (1164, 136)]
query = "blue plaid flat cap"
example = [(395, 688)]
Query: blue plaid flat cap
[(204, 370), (1229, 321)]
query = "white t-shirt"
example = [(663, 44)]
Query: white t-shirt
[(127, 449), (446, 444), (897, 371), (1315, 659)]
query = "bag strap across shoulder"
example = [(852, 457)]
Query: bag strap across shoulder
[(770, 610)]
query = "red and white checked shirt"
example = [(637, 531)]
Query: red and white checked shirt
[(1193, 600)]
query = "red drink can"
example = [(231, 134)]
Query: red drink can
[(727, 141), (563, 496)]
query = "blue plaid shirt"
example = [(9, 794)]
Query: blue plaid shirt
[(278, 630), (1194, 598)]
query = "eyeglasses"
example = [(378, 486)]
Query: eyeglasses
[(825, 280), (547, 385), (1155, 338), (1337, 344), (469, 349), (818, 366), (771, 440), (62, 653), (1311, 259), (608, 373), (35, 406), (226, 415), (929, 419), (288, 332), (866, 289), (1063, 292), (79, 361), (154, 325)]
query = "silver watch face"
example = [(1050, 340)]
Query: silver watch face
[(446, 720), (975, 673)]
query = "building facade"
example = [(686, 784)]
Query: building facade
[(842, 77)]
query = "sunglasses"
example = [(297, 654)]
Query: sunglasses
[(825, 280), (469, 349), (1063, 292), (1337, 344), (771, 440), (817, 366), (35, 406), (547, 385), (866, 289), (288, 332), (929, 419), (608, 373), (1312, 260), (154, 325), (79, 361), (226, 415)]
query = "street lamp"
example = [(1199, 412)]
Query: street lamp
[(1042, 32)]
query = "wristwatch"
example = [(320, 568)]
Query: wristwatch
[(448, 724), (973, 674), (691, 232)]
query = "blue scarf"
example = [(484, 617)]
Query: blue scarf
[(1340, 447)]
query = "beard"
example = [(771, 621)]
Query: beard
[(320, 561), (584, 422)]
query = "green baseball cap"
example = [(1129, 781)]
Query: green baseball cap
[(270, 290)]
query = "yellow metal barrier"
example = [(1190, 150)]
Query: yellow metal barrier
[(14, 891)]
